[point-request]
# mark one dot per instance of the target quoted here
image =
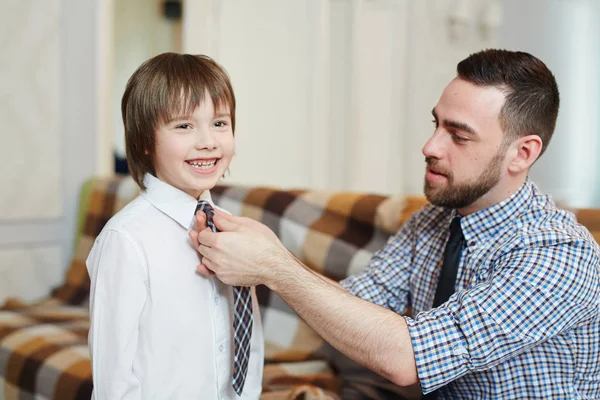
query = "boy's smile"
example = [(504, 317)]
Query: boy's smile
[(193, 152), (203, 166)]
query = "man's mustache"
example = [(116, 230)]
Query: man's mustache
[(434, 167)]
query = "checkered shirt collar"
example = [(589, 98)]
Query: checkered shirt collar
[(484, 224)]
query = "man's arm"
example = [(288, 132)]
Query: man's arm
[(371, 335)]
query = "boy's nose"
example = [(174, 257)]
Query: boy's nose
[(205, 139)]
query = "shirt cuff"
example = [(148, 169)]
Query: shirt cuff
[(440, 349)]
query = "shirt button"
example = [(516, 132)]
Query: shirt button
[(472, 243), (216, 299), (221, 348)]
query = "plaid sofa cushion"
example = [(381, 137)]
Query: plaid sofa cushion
[(590, 218), (101, 198), (43, 346), (43, 352), (334, 233)]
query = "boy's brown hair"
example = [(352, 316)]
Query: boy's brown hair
[(162, 88)]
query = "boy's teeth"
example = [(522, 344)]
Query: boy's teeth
[(202, 164)]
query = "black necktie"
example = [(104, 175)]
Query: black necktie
[(447, 280), (242, 317), (445, 287)]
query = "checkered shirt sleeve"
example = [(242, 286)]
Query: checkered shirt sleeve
[(524, 321), (386, 279), (536, 293)]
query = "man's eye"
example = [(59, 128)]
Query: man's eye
[(458, 138)]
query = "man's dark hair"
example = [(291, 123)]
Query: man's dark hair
[(532, 97)]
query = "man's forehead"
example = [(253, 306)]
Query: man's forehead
[(467, 93), (466, 100)]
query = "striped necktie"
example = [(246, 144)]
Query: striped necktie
[(242, 317)]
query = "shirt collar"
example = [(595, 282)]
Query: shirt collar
[(487, 222), (173, 202)]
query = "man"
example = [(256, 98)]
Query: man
[(504, 287)]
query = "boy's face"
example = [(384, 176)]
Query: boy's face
[(193, 152)]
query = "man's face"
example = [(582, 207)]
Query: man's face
[(465, 155)]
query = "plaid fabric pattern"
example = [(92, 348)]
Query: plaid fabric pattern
[(43, 346), (242, 317), (526, 312)]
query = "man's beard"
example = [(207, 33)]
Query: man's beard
[(462, 195)]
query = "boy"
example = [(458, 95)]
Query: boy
[(159, 330)]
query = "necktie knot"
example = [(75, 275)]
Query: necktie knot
[(208, 210), (456, 233)]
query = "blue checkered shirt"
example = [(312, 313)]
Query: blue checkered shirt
[(524, 322)]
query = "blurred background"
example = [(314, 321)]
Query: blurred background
[(332, 94)]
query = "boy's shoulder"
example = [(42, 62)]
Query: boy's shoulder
[(137, 214)]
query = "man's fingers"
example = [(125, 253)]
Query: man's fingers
[(199, 221), (207, 238), (203, 270), (225, 224)]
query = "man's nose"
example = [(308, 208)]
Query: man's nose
[(434, 148)]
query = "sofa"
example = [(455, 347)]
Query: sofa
[(43, 345)]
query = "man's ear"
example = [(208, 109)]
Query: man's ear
[(526, 150)]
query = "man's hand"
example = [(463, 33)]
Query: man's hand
[(247, 253), (244, 253)]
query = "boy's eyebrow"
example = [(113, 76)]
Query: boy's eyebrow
[(177, 118), (455, 124), (184, 117)]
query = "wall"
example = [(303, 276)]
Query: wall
[(337, 94), (334, 94), (311, 79), (49, 113), (140, 32), (564, 34), (440, 34)]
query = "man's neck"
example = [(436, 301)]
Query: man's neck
[(499, 193)]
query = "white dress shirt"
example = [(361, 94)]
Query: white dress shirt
[(158, 329)]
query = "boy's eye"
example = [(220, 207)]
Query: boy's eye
[(183, 126), (435, 122), (220, 124)]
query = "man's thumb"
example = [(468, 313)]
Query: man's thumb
[(224, 224)]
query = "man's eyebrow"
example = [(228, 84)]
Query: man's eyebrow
[(455, 124), (460, 126)]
